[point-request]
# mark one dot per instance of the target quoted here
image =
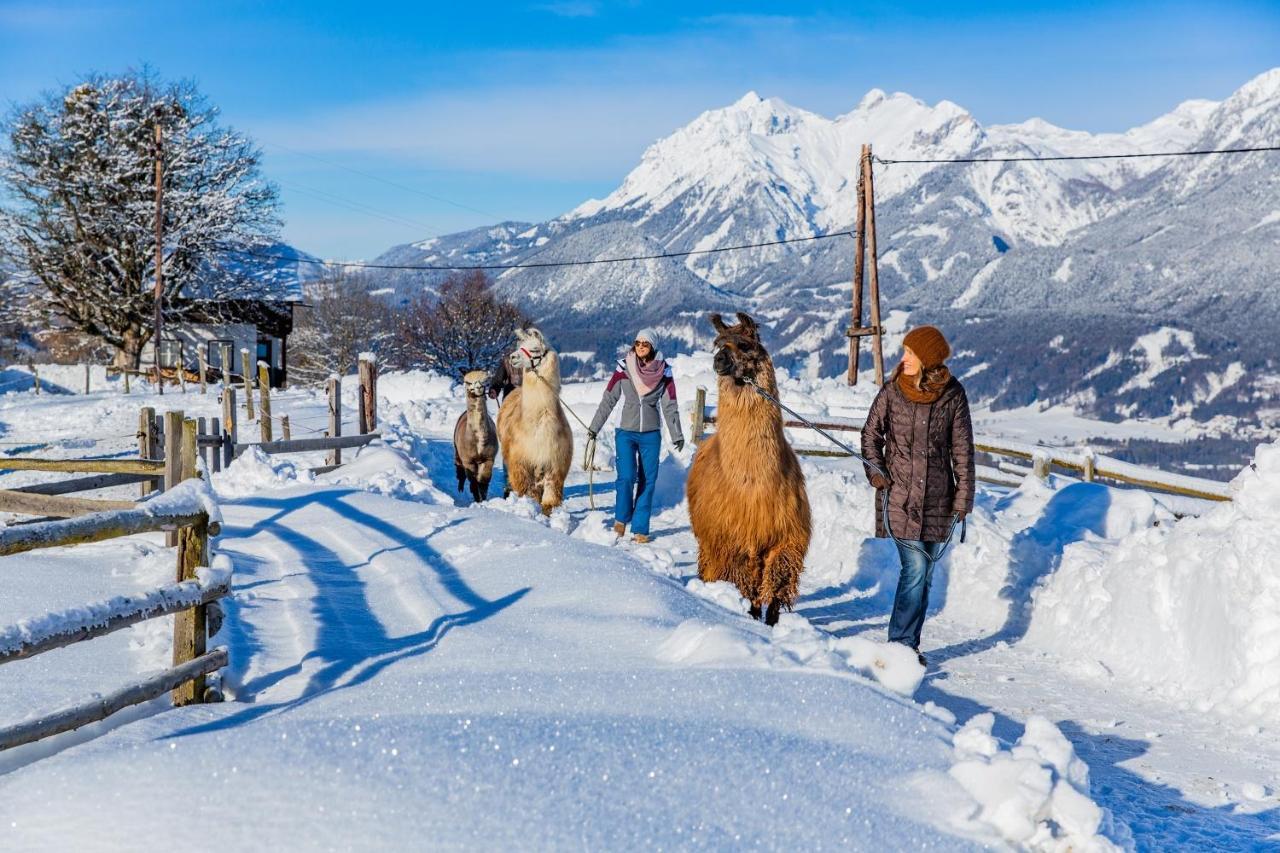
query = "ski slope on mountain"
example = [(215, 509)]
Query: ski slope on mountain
[(411, 670)]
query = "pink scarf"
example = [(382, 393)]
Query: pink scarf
[(645, 376)]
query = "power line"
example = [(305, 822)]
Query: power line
[(538, 264), (888, 162), (382, 180), (358, 207)]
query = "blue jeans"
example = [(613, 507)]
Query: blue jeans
[(912, 599), (635, 486)]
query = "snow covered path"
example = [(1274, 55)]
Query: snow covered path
[(417, 674), (1177, 779), (407, 667)]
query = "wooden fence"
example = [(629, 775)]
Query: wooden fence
[(1088, 465), (185, 511)]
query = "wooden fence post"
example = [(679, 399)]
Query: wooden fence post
[(201, 450), (147, 442), (859, 253), (264, 400), (285, 432), (248, 384), (368, 373), (215, 453), (229, 424), (35, 376), (86, 378), (193, 546), (226, 365), (1090, 465), (699, 415), (334, 387), (181, 367), (173, 451), (203, 368), (125, 371), (1040, 466)]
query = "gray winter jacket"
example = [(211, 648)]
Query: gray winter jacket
[(640, 414)]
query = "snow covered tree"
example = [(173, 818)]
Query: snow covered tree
[(465, 327), (78, 172), (339, 320)]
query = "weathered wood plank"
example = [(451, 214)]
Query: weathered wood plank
[(165, 600), (303, 445), (69, 719), (58, 506), (83, 484), (84, 466), (93, 528)]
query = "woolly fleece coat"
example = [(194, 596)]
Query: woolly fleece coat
[(927, 448)]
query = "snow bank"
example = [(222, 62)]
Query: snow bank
[(1191, 610), (791, 644), (1035, 795), (255, 471)]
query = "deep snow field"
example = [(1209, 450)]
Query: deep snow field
[(411, 671)]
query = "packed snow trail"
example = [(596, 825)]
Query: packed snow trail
[(414, 674), (1176, 778)]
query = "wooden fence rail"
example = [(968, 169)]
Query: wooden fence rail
[(186, 508), (1087, 464)]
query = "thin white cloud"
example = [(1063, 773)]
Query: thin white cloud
[(570, 8)]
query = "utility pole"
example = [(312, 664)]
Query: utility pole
[(866, 225), (159, 294)]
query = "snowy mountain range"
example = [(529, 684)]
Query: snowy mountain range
[(1123, 287)]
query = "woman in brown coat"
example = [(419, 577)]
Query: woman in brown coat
[(919, 432)]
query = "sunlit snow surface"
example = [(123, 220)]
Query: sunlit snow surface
[(410, 671)]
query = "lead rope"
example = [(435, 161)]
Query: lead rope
[(589, 453), (884, 505)]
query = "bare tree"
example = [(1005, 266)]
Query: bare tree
[(339, 320), (79, 170), (465, 327)]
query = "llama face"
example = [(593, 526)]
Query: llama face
[(530, 349), (476, 383), (739, 353)]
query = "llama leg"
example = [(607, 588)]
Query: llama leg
[(517, 480), (485, 475), (474, 482), (780, 580), (459, 470), (552, 494)]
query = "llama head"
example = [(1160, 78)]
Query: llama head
[(476, 383), (739, 353), (531, 348)]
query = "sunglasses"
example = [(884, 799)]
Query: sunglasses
[(642, 344)]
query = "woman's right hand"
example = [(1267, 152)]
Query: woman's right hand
[(880, 481)]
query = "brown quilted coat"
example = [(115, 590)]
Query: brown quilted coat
[(927, 448)]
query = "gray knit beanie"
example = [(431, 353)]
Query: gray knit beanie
[(648, 335)]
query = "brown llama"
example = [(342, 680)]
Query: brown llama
[(747, 501), (475, 438), (537, 445)]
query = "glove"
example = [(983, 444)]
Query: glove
[(879, 481), (493, 393), (678, 444), (960, 515)]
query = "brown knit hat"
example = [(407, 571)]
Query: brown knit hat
[(929, 345)]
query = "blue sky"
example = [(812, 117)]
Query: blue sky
[(461, 114)]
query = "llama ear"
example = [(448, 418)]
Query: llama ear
[(749, 326), (717, 321)]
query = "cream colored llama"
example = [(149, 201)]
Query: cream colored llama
[(537, 445), (475, 438)]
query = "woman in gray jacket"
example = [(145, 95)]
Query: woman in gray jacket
[(644, 380)]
